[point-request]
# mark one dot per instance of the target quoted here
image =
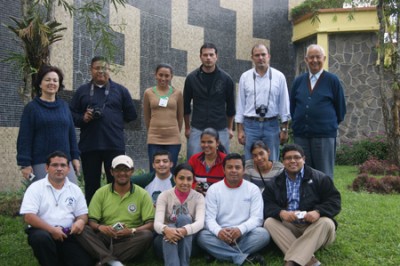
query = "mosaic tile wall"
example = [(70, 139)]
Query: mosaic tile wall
[(155, 31)]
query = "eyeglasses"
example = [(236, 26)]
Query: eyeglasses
[(295, 157), (101, 69), (56, 165)]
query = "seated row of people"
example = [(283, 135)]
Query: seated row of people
[(233, 222)]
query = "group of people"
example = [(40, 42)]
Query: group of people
[(233, 221), (192, 202)]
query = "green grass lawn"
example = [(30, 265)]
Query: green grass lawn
[(368, 233)]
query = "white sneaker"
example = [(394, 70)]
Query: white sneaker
[(115, 263)]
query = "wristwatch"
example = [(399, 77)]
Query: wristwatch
[(284, 129), (133, 230)]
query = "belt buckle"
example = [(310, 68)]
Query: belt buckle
[(261, 119)]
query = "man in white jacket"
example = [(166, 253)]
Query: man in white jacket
[(234, 216)]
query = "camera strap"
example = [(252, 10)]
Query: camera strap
[(261, 176), (255, 90), (106, 92)]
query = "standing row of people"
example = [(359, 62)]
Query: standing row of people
[(233, 222)]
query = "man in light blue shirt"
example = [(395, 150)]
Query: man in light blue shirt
[(262, 106)]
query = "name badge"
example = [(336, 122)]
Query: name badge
[(163, 102)]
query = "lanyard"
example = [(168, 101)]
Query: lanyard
[(163, 96)]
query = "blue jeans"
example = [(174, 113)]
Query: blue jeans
[(267, 131), (175, 254), (193, 143), (247, 244), (320, 153), (173, 149)]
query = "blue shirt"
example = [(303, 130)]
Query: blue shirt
[(293, 191)]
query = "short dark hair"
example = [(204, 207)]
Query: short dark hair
[(56, 154), (164, 65), (292, 147), (99, 58), (44, 69), (233, 156), (162, 152), (208, 45), (183, 166), (259, 144), (258, 45)]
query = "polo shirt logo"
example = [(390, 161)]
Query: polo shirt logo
[(132, 208), (70, 201)]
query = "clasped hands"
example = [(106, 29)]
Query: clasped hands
[(173, 235), (229, 235)]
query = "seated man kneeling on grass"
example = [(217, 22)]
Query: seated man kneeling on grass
[(234, 217), (299, 205), (121, 217), (56, 212)]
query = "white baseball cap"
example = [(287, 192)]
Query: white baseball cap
[(122, 159)]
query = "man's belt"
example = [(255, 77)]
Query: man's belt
[(261, 119)]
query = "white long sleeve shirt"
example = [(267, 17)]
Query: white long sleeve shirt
[(275, 89), (240, 207)]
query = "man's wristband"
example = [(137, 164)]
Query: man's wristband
[(133, 231), (284, 129)]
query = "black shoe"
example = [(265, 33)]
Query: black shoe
[(254, 259), (209, 258)]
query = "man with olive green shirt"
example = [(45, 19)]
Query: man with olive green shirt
[(121, 217)]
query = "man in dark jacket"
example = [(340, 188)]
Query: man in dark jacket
[(299, 206)]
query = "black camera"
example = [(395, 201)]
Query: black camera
[(97, 112), (203, 185), (262, 110)]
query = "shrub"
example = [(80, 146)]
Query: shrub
[(378, 167), (384, 185), (358, 152), (312, 6)]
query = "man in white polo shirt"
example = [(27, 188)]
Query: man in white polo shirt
[(55, 210)]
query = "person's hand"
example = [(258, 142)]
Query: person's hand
[(172, 235), (57, 233), (77, 227), (288, 216), (242, 137), (26, 171), (230, 132), (124, 232), (235, 233), (88, 116), (283, 137), (225, 235), (77, 166), (312, 216), (187, 132), (108, 230)]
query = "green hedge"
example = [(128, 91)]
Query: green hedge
[(311, 6)]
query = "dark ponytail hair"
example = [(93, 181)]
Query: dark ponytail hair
[(213, 133)]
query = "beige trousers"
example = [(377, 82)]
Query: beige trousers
[(299, 241)]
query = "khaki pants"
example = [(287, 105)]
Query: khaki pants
[(299, 241), (104, 248)]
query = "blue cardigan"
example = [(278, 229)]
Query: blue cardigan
[(45, 127), (317, 113)]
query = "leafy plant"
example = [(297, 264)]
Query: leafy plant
[(384, 185), (360, 151), (312, 7), (378, 167)]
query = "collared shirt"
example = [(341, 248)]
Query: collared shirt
[(269, 92), (293, 191), (316, 77), (57, 207)]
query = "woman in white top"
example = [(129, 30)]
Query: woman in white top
[(180, 213)]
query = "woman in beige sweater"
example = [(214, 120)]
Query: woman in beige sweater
[(180, 213), (163, 115)]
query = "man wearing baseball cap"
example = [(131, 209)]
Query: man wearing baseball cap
[(121, 217)]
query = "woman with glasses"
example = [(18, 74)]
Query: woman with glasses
[(46, 126)]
